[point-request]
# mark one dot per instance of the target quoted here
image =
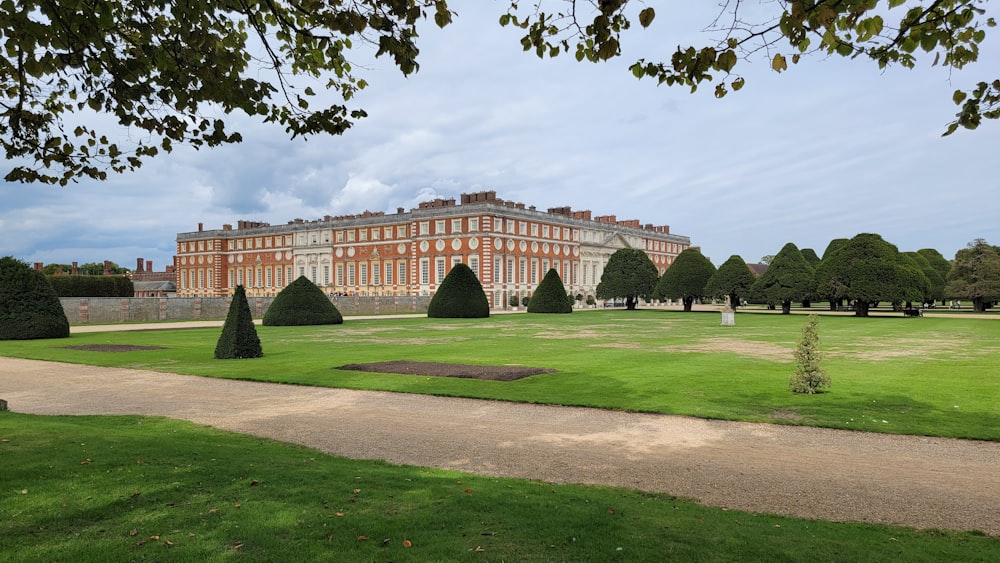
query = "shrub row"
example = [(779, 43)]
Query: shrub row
[(92, 286)]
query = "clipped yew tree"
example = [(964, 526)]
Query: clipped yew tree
[(460, 296), (302, 303), (239, 337), (29, 307), (733, 278), (629, 274), (550, 296), (686, 278), (789, 277)]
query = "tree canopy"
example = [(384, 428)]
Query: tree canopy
[(629, 274), (166, 71), (867, 269), (789, 277), (975, 275), (686, 278), (733, 278), (29, 307), (302, 303), (460, 296), (935, 281)]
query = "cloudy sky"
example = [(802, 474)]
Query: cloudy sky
[(828, 149)]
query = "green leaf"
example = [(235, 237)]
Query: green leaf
[(958, 97), (778, 63), (646, 17)]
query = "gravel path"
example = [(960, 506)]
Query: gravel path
[(808, 472)]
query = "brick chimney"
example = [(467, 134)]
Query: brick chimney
[(138, 265), (149, 266)]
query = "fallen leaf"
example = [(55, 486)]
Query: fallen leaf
[(611, 511), (479, 549), (212, 510), (357, 491), (154, 538), (238, 546), (6, 441), (237, 505), (468, 491), (407, 543), (138, 462), (253, 483), (24, 491), (168, 543), (362, 538), (340, 513), (385, 542), (85, 462), (133, 532)]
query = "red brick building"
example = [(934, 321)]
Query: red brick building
[(509, 246)]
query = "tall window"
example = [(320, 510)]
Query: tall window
[(289, 279), (350, 275), (376, 274), (400, 232), (439, 227), (277, 276), (534, 270), (364, 273), (388, 273), (510, 226), (363, 234), (239, 276), (497, 277), (521, 271), (440, 271), (534, 229), (523, 227), (268, 276), (401, 279), (312, 274), (326, 274), (232, 278), (474, 265), (425, 271), (473, 224), (340, 275), (456, 225), (510, 270), (201, 278)]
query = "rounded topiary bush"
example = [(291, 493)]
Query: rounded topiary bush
[(550, 296), (460, 296), (239, 337), (29, 307), (302, 303)]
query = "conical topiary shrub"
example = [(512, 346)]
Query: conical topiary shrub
[(460, 296), (239, 336), (302, 303), (550, 296), (29, 307)]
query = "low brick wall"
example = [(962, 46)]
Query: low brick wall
[(104, 310)]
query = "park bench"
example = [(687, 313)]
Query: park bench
[(913, 312)]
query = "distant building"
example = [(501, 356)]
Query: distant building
[(508, 246), (148, 283)]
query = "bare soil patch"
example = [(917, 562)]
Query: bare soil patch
[(113, 348), (437, 369)]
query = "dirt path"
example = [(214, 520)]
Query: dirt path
[(808, 472)]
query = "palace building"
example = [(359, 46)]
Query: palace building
[(510, 247)]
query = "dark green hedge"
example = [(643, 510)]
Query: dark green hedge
[(550, 296), (239, 336), (29, 308), (460, 296), (302, 303), (92, 286)]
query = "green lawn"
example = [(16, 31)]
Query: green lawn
[(929, 376), (137, 488)]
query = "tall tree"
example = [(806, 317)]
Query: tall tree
[(867, 270), (165, 70), (941, 264), (29, 307), (810, 256), (789, 277), (686, 278), (629, 274), (733, 278), (935, 287), (975, 275), (829, 293)]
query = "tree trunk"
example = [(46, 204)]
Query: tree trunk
[(860, 308), (806, 303), (630, 302), (688, 302), (786, 307), (978, 305)]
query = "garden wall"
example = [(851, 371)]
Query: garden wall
[(103, 310)]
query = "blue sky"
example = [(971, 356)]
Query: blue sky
[(828, 149)]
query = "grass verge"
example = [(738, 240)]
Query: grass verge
[(139, 488)]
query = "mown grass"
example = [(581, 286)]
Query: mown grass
[(929, 376), (140, 488)]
